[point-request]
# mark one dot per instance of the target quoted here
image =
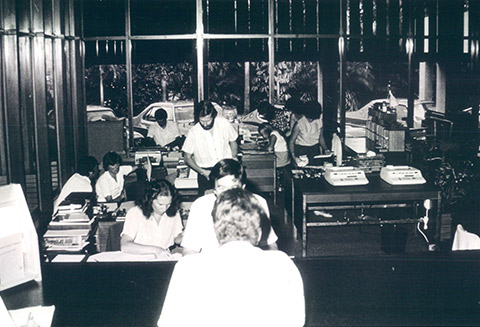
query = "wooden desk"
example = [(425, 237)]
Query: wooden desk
[(351, 205), (260, 170), (427, 289)]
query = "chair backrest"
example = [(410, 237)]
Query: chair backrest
[(113, 237)]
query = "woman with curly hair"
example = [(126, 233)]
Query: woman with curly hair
[(154, 224)]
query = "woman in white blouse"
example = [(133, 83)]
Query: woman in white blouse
[(154, 225)]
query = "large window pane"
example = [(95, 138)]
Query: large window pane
[(162, 70), (159, 17), (298, 75), (96, 14), (236, 16)]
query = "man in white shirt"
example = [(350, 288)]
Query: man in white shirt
[(110, 185), (165, 133), (199, 235), (81, 181), (210, 140), (237, 284)]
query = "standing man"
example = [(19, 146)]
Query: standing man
[(165, 133), (209, 141)]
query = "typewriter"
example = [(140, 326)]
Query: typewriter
[(401, 175), (345, 176)]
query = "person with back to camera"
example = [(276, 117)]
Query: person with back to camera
[(81, 181), (277, 144), (165, 133), (154, 225), (110, 184), (237, 284), (210, 140), (307, 135), (199, 233)]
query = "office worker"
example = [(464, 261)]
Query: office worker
[(212, 138), (110, 184), (307, 135), (81, 181), (164, 132), (199, 235), (154, 224), (237, 284)]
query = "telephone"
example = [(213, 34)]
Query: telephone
[(345, 176), (401, 175)]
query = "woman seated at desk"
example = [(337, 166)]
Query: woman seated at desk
[(154, 224), (109, 186)]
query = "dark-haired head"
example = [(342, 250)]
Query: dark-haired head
[(87, 166), (161, 114), (313, 110), (266, 110), (156, 188), (111, 159), (295, 106), (203, 109), (227, 167)]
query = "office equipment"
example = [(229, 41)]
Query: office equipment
[(402, 175), (345, 176), (154, 155)]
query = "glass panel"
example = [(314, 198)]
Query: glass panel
[(162, 71), (238, 50), (236, 16), (159, 17), (226, 84), (28, 121), (106, 86), (95, 12), (51, 114), (297, 17), (3, 146), (298, 75), (366, 84), (297, 49)]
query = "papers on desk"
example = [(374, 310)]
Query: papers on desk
[(119, 256), (69, 258), (40, 316)]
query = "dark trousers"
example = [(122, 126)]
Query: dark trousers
[(204, 184)]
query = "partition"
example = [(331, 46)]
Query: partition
[(19, 252)]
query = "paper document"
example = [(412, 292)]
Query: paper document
[(119, 256), (33, 316), (69, 258)]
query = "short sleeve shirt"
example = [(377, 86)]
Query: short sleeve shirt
[(309, 131), (199, 233), (76, 183), (148, 232), (164, 136), (107, 185), (209, 147)]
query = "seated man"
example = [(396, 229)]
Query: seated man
[(200, 233), (81, 181), (236, 284), (165, 133), (110, 185)]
